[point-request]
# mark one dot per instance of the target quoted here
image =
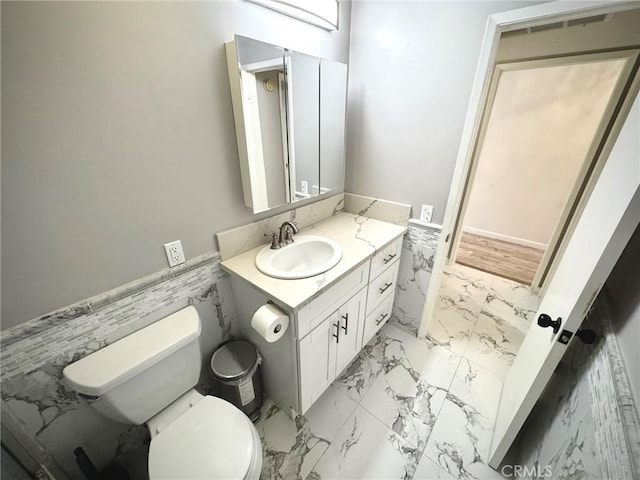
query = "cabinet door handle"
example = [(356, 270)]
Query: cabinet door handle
[(378, 322), (337, 334), (345, 317), (389, 258), (386, 287)]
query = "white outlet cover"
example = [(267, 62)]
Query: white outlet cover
[(426, 213), (175, 254), (304, 186)]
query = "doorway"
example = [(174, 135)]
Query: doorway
[(532, 156), (536, 150)]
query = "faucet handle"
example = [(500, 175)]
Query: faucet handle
[(275, 243), (288, 236)]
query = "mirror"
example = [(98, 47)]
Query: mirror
[(303, 76), (289, 112), (333, 106)]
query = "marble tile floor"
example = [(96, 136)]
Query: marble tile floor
[(410, 408), (482, 317)]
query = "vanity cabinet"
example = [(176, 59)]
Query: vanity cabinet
[(331, 316), (337, 338)]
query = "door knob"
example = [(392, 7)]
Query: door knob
[(586, 335), (545, 321)]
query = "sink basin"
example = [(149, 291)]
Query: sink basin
[(309, 255)]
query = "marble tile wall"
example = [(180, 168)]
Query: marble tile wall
[(238, 240), (34, 354), (383, 210), (416, 263), (586, 424)]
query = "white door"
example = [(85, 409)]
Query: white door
[(609, 218), (318, 360)]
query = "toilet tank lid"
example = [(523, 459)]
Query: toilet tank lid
[(106, 368)]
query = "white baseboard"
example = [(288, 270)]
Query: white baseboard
[(505, 238)]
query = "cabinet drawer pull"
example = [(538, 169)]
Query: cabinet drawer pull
[(378, 322), (337, 334), (386, 287), (389, 258), (345, 317)]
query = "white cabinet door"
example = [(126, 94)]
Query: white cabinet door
[(350, 339), (318, 360)]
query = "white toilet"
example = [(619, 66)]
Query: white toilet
[(148, 377)]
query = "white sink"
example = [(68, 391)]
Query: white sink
[(309, 255)]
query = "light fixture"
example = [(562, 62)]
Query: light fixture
[(322, 13)]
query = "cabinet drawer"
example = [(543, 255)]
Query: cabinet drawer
[(385, 257), (381, 287), (312, 314), (377, 318)]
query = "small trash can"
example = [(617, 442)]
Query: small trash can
[(235, 367)]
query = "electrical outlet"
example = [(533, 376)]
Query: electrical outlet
[(304, 187), (175, 254), (426, 213)]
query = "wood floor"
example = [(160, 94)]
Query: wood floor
[(504, 259)]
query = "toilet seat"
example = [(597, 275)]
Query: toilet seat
[(211, 440)]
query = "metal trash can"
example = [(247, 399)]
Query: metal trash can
[(235, 367)]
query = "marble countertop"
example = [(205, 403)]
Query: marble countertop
[(360, 237)]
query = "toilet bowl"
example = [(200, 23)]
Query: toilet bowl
[(212, 439), (148, 377)]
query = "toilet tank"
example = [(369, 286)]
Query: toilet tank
[(136, 377)]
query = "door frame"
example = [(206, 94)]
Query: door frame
[(480, 101)]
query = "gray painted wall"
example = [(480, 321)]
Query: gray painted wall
[(118, 136), (271, 130), (412, 65)]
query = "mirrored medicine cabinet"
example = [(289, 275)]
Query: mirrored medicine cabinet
[(289, 111)]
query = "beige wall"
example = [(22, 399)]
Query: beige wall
[(118, 136), (540, 129)]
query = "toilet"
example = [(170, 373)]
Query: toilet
[(148, 377)]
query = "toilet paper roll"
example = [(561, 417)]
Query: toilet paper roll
[(270, 322)]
